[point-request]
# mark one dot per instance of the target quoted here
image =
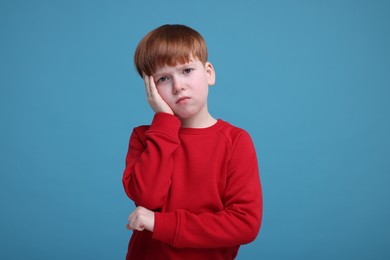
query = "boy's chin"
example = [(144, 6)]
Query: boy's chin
[(184, 116)]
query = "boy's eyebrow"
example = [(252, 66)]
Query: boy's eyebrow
[(180, 66)]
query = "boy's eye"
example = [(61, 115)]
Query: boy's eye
[(187, 70), (162, 79)]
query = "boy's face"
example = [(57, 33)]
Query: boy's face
[(184, 87)]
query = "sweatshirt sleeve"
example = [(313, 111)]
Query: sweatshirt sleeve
[(147, 176), (238, 223)]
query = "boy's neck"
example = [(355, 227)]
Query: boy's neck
[(201, 122)]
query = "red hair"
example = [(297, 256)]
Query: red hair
[(169, 45)]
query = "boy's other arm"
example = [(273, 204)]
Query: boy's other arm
[(238, 223), (149, 162)]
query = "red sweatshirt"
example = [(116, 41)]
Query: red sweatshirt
[(203, 184)]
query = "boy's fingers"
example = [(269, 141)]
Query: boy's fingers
[(136, 225), (152, 86), (147, 87), (135, 220), (131, 220), (129, 227)]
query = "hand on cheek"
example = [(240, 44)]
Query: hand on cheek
[(154, 99), (141, 219)]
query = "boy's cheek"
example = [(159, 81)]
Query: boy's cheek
[(163, 93), (164, 96)]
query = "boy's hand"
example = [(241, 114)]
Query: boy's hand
[(141, 219), (154, 98)]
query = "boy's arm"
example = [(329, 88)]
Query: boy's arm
[(149, 160), (237, 224), (147, 176)]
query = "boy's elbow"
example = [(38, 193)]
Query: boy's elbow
[(251, 229), (255, 232), (251, 233)]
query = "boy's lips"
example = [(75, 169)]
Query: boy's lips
[(181, 99)]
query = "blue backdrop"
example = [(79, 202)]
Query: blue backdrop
[(309, 80)]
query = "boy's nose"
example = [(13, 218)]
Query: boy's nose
[(177, 86)]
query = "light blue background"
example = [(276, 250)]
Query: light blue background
[(309, 80)]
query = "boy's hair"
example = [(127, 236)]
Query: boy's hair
[(169, 45)]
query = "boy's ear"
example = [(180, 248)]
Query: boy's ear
[(210, 73)]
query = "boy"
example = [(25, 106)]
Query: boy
[(193, 178)]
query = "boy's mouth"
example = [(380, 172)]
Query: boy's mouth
[(181, 99)]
